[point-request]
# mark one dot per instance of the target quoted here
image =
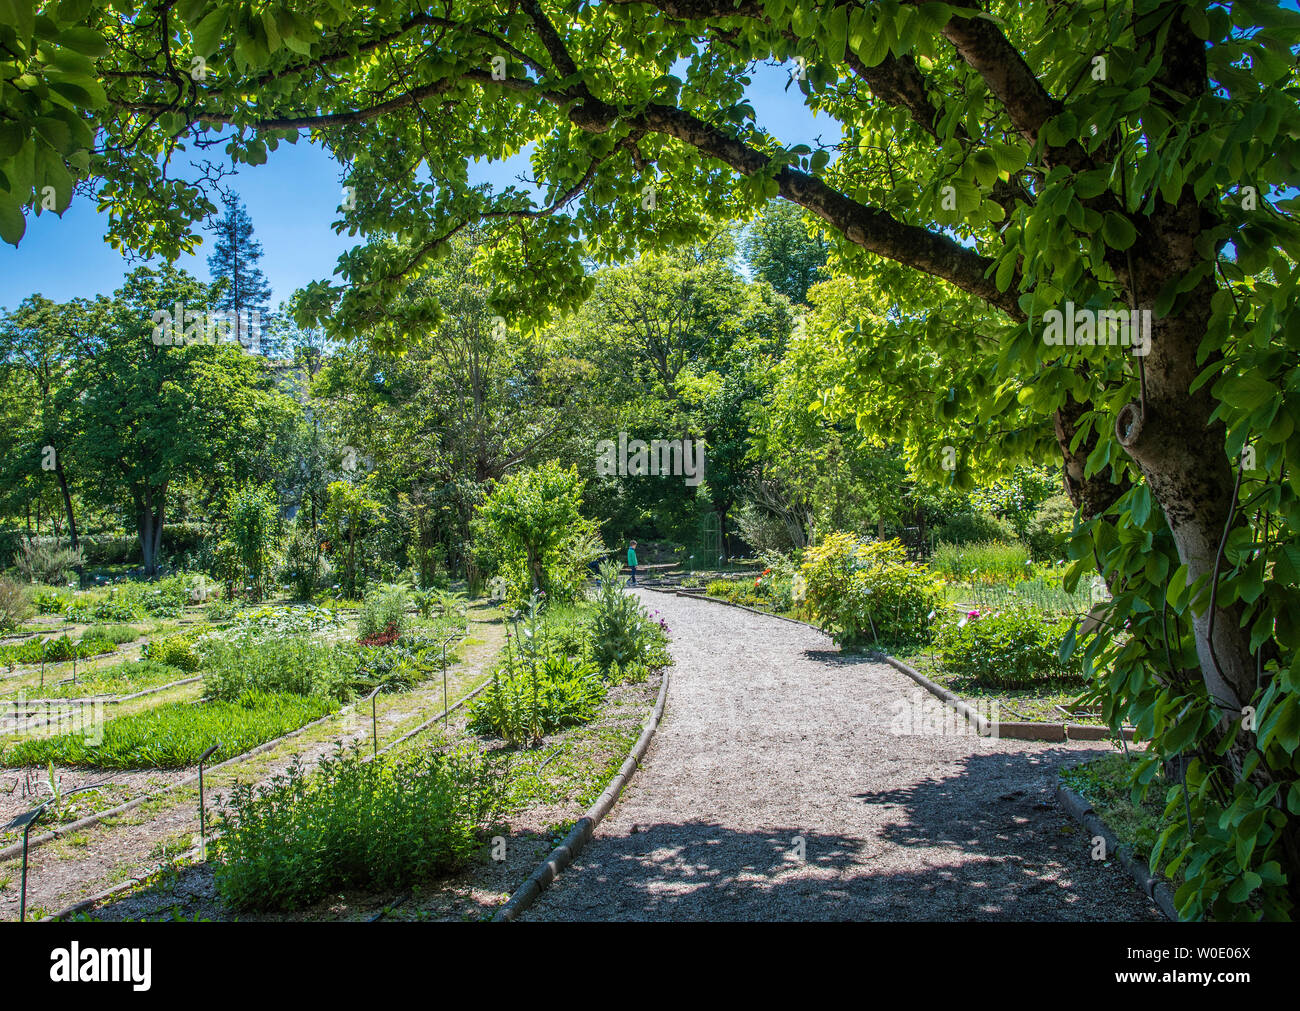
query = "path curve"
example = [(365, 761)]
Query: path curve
[(773, 743)]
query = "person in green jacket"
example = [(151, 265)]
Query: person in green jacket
[(631, 562)]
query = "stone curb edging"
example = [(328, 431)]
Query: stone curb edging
[(1154, 887), (93, 900), (560, 857), (1007, 730)]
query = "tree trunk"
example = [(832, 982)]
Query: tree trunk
[(149, 522), (67, 500)]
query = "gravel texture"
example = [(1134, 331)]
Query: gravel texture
[(779, 787)]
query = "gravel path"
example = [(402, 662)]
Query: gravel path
[(776, 788)]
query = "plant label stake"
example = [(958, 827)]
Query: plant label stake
[(203, 817), (25, 821), (374, 719), (444, 674)]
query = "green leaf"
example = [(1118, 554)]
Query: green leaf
[(1246, 392), (73, 12), (12, 222), (1117, 231), (22, 15), (207, 33), (86, 41)]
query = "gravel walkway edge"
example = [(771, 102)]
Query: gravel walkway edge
[(560, 857), (1156, 887)]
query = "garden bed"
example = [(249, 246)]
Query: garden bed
[(174, 735), (1035, 704)]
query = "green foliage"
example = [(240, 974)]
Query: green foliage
[(1017, 498), (385, 611), (1051, 525), (1015, 648), (974, 527), (174, 735), (117, 634), (174, 650), (784, 251), (55, 650), (531, 696), (253, 527), (350, 517), (353, 823), (130, 601), (868, 593), (290, 664), (532, 523), (119, 679), (537, 688), (619, 625), (48, 563), (302, 567), (50, 601), (15, 603), (982, 562)]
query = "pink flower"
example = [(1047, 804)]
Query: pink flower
[(972, 614)]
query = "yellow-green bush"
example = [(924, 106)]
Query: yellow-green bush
[(867, 592)]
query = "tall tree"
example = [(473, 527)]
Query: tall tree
[(41, 343), (156, 416), (780, 248), (233, 264)]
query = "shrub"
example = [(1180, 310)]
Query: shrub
[(1014, 648), (46, 600), (116, 607), (862, 592), (254, 528), (1052, 522), (618, 623), (47, 562), (982, 562), (724, 588), (220, 611), (384, 612), (963, 528), (353, 824), (531, 523), (116, 634), (173, 736), (535, 695), (174, 650), (15, 604)]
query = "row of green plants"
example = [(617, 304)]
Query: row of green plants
[(560, 664), (354, 823), (175, 735), (123, 678), (57, 649)]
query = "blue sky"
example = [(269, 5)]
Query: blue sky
[(292, 201)]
